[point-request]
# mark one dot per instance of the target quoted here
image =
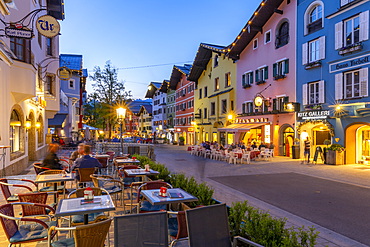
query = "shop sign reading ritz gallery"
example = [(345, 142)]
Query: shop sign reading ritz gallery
[(313, 115)]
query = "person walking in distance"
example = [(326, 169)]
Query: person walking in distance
[(307, 149)]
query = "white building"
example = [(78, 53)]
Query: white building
[(29, 87), (159, 119)]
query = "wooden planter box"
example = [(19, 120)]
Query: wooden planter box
[(351, 49), (334, 158), (181, 143)]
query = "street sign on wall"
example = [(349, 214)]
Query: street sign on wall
[(48, 26), (18, 33)]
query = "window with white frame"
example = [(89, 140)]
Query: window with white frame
[(314, 50), (316, 13), (71, 84), (261, 74), (247, 79), (280, 69), (255, 44), (352, 31), (344, 2), (351, 84), (313, 93), (314, 17), (268, 36)]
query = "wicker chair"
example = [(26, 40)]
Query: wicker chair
[(38, 168), (84, 174), (39, 198), (91, 235), (177, 227), (144, 206), (6, 191), (92, 218), (33, 231), (49, 186), (114, 187)]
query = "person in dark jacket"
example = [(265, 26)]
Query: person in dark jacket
[(86, 161), (77, 154), (51, 160)]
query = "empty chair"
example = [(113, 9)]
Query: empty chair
[(113, 186), (85, 175), (104, 162), (148, 229), (4, 184), (233, 158), (177, 229), (92, 235), (38, 168), (209, 226), (246, 156)]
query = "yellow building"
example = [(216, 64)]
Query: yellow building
[(145, 121), (215, 93)]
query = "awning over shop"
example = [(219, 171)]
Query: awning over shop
[(240, 127), (57, 121)]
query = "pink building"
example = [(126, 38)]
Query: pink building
[(265, 51)]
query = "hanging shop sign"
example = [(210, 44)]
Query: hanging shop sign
[(48, 26), (258, 101), (190, 129), (64, 73), (313, 115), (18, 33), (291, 107)]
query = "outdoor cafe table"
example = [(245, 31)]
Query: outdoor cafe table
[(126, 161), (140, 173), (55, 178), (72, 206), (158, 200), (101, 156)]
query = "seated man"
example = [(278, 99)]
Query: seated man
[(254, 145), (51, 160), (77, 154), (86, 161), (261, 146)]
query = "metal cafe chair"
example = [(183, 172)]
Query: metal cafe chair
[(148, 229), (209, 226)]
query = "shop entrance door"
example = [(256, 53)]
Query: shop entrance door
[(288, 140)]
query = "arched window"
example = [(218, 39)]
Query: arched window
[(313, 18), (282, 34), (15, 132), (316, 13)]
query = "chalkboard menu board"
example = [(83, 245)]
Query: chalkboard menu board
[(318, 152)]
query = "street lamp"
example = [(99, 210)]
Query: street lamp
[(121, 113)]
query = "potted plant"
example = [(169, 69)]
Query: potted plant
[(174, 142), (182, 140), (327, 142), (335, 155), (295, 149)]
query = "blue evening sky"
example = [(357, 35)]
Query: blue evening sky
[(148, 32)]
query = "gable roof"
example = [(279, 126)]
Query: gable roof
[(135, 106), (177, 73), (71, 61), (164, 86), (204, 54), (154, 86), (255, 24), (148, 108)]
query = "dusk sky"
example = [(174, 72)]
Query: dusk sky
[(140, 33)]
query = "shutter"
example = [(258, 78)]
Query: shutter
[(274, 104), (243, 80), (338, 35), (266, 72), (286, 66), (343, 2), (265, 107), (286, 99), (250, 107), (251, 78), (364, 79), (304, 94), (274, 69), (364, 25), (338, 86), (256, 75), (321, 92), (243, 108), (322, 48), (304, 53)]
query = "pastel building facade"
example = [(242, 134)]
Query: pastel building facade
[(184, 103), (29, 88), (214, 75), (159, 118), (333, 57), (265, 51)]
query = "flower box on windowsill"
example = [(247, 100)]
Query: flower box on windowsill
[(247, 85), (278, 77), (350, 48), (313, 65), (260, 82), (313, 107)]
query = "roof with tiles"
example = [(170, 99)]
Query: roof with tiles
[(71, 61)]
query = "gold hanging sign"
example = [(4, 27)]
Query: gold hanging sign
[(64, 73), (48, 26)]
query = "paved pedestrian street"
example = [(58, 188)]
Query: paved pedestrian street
[(334, 199)]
